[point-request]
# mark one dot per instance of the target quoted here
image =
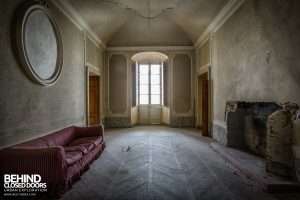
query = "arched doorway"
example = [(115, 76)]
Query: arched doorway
[(149, 92)]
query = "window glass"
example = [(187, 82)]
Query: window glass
[(155, 69), (155, 89), (144, 79), (155, 79), (148, 81), (144, 99), (144, 89), (144, 69), (155, 99)]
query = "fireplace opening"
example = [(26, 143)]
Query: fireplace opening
[(247, 125), (264, 129)]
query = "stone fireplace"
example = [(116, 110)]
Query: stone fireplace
[(247, 124), (264, 129)]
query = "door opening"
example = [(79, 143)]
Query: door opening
[(149, 93), (94, 100), (203, 104)]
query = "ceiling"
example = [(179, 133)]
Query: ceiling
[(149, 56), (120, 23)]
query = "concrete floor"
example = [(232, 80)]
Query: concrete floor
[(155, 162)]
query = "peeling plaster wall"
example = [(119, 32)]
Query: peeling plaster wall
[(28, 110), (256, 56)]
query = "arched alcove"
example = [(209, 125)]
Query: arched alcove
[(150, 88)]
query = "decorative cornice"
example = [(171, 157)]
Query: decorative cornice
[(151, 48), (89, 37), (74, 16), (219, 20)]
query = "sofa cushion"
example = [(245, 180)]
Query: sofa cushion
[(88, 146), (73, 156), (80, 148), (93, 140)]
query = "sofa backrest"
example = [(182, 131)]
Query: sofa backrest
[(86, 131), (60, 138), (36, 143)]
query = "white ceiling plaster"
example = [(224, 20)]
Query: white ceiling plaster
[(149, 56), (125, 23)]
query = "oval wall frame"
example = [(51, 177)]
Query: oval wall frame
[(39, 43)]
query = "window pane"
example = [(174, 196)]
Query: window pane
[(155, 79), (144, 79), (144, 89), (155, 99), (144, 99), (155, 89), (155, 69), (144, 69)]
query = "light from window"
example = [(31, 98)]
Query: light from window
[(155, 79), (144, 69), (155, 69), (144, 79), (155, 89), (144, 99), (144, 89), (149, 84), (155, 99)]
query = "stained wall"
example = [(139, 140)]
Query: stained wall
[(28, 110)]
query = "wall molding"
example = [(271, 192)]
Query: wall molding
[(92, 68), (203, 69), (89, 37), (68, 10), (219, 20), (151, 48)]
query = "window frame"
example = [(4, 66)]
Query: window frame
[(160, 84)]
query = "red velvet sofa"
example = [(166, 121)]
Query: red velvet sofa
[(59, 158)]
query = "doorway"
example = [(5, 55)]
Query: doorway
[(149, 93), (94, 100), (203, 114)]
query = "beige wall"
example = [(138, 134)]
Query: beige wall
[(134, 115), (92, 53), (203, 58), (165, 115), (117, 84), (28, 110), (181, 83)]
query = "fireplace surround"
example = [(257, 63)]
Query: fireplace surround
[(264, 129)]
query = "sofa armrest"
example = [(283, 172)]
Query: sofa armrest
[(91, 131), (49, 163)]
